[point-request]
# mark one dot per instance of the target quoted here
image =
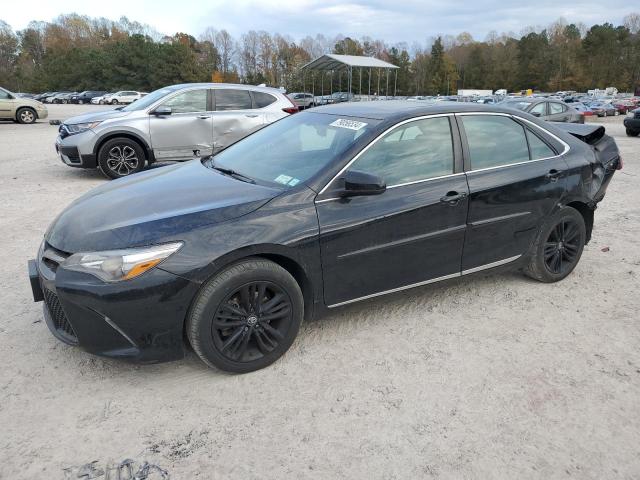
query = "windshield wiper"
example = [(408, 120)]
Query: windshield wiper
[(231, 173)]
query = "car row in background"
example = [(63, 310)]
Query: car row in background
[(101, 97), (551, 110)]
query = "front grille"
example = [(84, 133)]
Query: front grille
[(58, 317)]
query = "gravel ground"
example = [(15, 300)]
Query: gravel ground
[(491, 376)]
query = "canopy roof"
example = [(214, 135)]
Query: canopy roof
[(331, 61)]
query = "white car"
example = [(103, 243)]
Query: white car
[(97, 100), (123, 97)]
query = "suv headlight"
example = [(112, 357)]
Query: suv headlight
[(117, 265), (81, 127)]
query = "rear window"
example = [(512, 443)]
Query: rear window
[(262, 99), (232, 99)]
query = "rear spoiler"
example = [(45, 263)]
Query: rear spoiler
[(588, 133)]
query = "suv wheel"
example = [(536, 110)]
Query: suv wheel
[(632, 133), (114, 102), (120, 157), (558, 246), (26, 115), (246, 317)]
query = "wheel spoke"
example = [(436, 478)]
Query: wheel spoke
[(271, 304), (262, 346), (272, 316), (272, 331), (238, 312), (233, 338)]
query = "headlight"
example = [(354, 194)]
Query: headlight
[(82, 127), (117, 265)]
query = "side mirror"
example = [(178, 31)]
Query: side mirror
[(536, 114), (162, 110), (358, 183)]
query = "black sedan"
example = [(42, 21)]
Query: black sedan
[(321, 209)]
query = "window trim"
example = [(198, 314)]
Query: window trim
[(516, 118), (384, 133)]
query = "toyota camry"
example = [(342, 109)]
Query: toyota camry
[(229, 253)]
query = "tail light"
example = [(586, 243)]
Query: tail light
[(292, 109)]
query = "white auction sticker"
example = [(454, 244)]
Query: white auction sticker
[(350, 124)]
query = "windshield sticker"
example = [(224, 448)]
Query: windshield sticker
[(294, 182), (283, 179), (350, 124)]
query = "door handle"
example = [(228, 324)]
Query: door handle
[(251, 115), (204, 117), (553, 174), (452, 198)]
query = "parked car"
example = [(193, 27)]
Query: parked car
[(60, 97), (600, 109), (99, 100), (303, 100), (337, 97), (321, 209), (86, 96), (40, 97), (123, 97), (623, 106), (632, 123), (20, 109), (551, 110), (173, 123), (583, 109)]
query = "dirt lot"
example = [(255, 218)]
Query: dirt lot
[(491, 376)]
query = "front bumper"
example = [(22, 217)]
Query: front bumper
[(42, 113), (140, 320), (71, 150)]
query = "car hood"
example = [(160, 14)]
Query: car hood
[(96, 116), (153, 207)]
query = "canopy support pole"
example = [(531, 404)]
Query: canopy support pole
[(395, 84)]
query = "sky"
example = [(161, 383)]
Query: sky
[(390, 20)]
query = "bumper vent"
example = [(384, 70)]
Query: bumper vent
[(61, 326)]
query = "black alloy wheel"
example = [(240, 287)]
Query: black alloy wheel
[(558, 246), (120, 157), (562, 247), (245, 317), (252, 321)]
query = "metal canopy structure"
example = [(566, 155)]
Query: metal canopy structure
[(346, 64)]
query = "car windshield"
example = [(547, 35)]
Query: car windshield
[(148, 100), (293, 149)]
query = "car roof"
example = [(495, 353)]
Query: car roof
[(224, 85), (400, 109)]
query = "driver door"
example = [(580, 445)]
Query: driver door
[(411, 234), (187, 131)]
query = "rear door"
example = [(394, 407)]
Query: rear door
[(515, 177), (235, 116), (412, 233), (188, 131)]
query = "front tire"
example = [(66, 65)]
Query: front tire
[(26, 115), (246, 317), (114, 102), (120, 157), (632, 133), (558, 246)]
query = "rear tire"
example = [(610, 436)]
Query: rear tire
[(632, 133), (120, 157), (558, 246), (246, 317), (26, 115)]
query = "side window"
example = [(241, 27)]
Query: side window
[(539, 108), (188, 102), (494, 141), (555, 108), (262, 99), (4, 95), (414, 151), (538, 148), (231, 99)]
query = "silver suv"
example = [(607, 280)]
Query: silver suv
[(179, 122)]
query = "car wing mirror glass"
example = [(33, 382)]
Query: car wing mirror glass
[(357, 183), (162, 110), (535, 114)]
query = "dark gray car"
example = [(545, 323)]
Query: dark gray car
[(546, 109)]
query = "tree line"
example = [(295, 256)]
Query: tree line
[(76, 52)]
